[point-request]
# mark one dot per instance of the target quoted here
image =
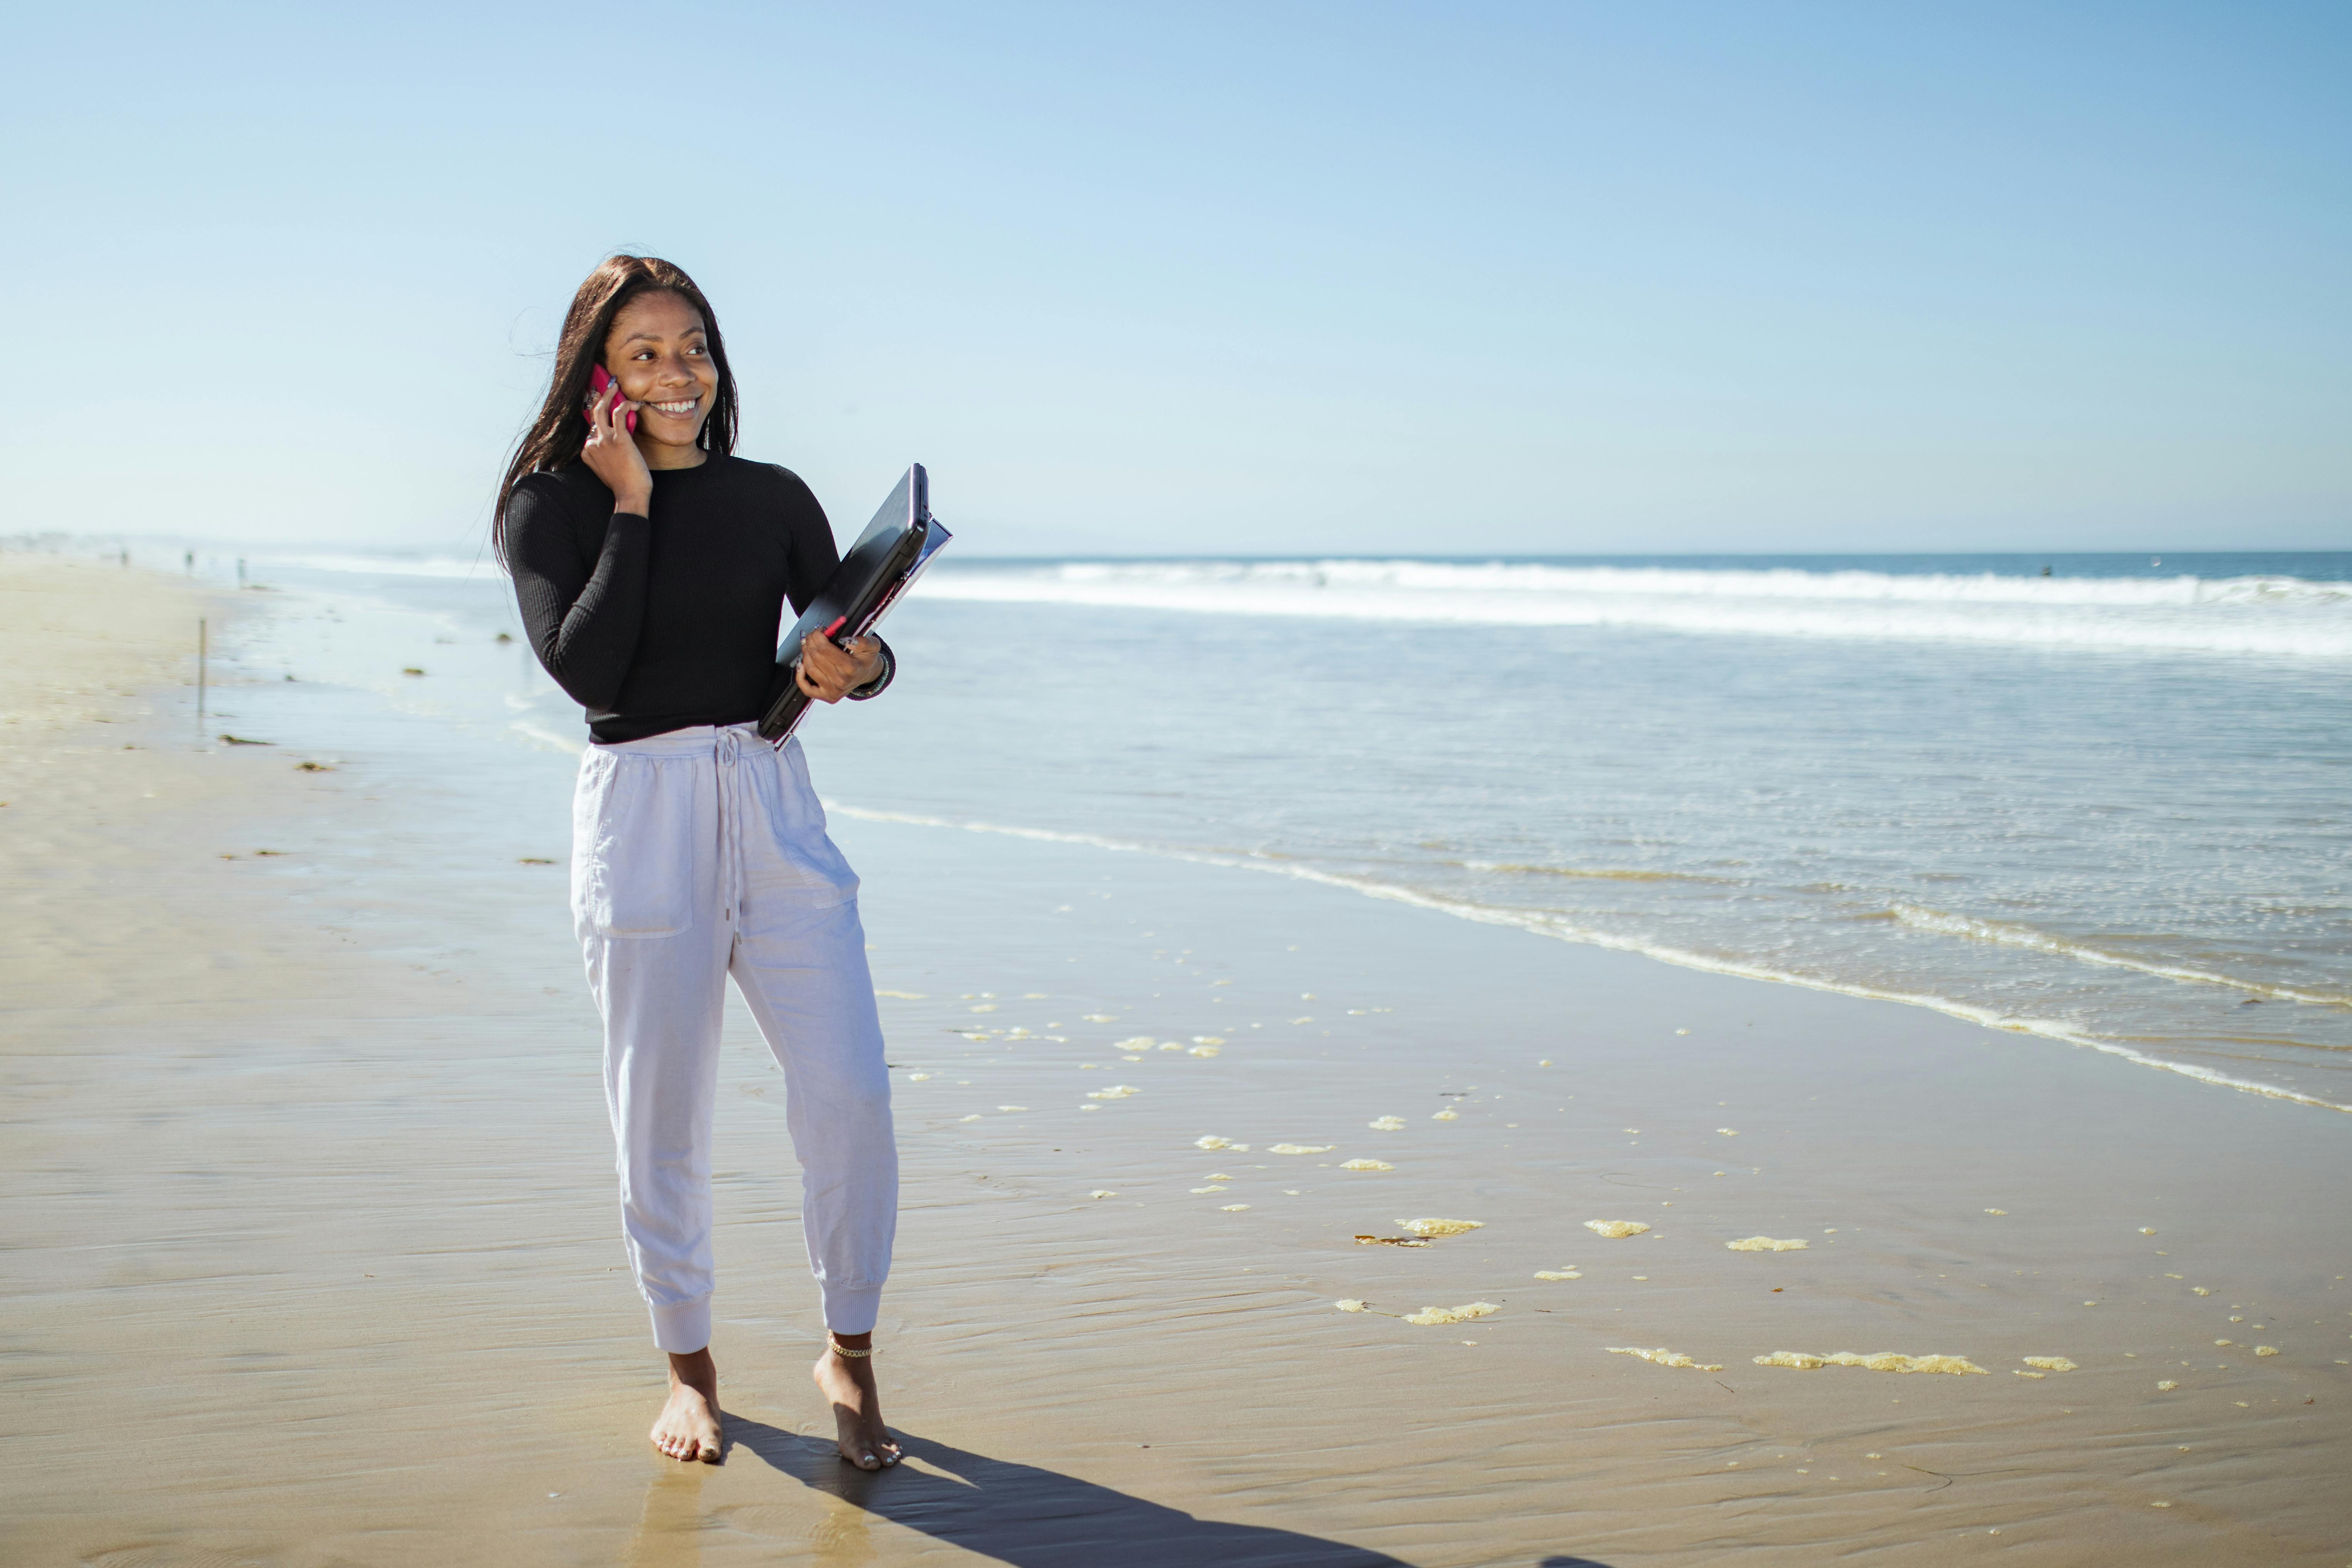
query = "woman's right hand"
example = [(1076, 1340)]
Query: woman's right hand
[(612, 455)]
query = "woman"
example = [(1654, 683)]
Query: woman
[(653, 567)]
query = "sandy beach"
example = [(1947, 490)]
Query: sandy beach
[(314, 1256)]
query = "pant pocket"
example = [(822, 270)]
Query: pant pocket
[(633, 841)]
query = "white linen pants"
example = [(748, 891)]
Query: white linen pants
[(696, 855)]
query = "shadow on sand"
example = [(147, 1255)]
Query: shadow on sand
[(1032, 1518)]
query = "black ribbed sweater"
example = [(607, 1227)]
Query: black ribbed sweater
[(656, 623)]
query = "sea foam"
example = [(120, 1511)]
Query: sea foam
[(2275, 616)]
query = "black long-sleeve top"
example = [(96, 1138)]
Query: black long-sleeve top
[(656, 623)]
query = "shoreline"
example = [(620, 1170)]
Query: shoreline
[(316, 1256), (1560, 931)]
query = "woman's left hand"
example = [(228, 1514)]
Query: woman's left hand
[(831, 671)]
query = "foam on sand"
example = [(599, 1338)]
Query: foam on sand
[(1386, 1124), (1205, 1051), (1428, 1228), (1764, 1244), (1448, 1114), (1878, 1361), (1662, 1357), (1300, 1148), (1366, 1165), (1213, 1141), (2049, 1362), (1116, 1091), (1558, 1274), (1616, 1229), (1430, 1317)]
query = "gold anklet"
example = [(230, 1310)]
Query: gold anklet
[(841, 1350)]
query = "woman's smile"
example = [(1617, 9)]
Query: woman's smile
[(686, 405)]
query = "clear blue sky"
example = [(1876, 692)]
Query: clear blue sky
[(1265, 277)]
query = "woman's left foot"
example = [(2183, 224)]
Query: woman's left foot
[(848, 1383)]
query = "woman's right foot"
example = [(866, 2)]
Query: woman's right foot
[(687, 1427), (848, 1383)]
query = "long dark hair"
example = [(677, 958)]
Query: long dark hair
[(556, 436)]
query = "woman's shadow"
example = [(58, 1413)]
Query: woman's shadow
[(1031, 1517)]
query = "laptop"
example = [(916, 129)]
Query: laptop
[(885, 559)]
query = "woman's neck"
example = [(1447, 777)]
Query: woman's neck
[(660, 456)]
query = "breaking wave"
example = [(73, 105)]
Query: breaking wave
[(2280, 616)]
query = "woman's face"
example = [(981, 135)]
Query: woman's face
[(659, 354)]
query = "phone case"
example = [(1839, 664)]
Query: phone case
[(599, 378)]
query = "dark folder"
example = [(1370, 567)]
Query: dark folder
[(892, 552)]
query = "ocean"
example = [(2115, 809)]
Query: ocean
[(2100, 799)]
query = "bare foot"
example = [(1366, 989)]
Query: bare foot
[(848, 1383), (687, 1427)]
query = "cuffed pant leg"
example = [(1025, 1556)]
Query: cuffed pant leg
[(802, 971), (684, 1328), (645, 859), (661, 999)]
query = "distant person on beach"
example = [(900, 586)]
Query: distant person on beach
[(653, 567)]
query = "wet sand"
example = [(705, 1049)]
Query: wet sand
[(313, 1254)]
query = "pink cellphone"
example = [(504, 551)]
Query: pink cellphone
[(599, 378)]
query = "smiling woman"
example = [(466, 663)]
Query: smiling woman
[(652, 567), (557, 437)]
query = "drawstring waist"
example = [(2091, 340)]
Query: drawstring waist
[(724, 744)]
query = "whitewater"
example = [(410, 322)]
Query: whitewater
[(2281, 616)]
